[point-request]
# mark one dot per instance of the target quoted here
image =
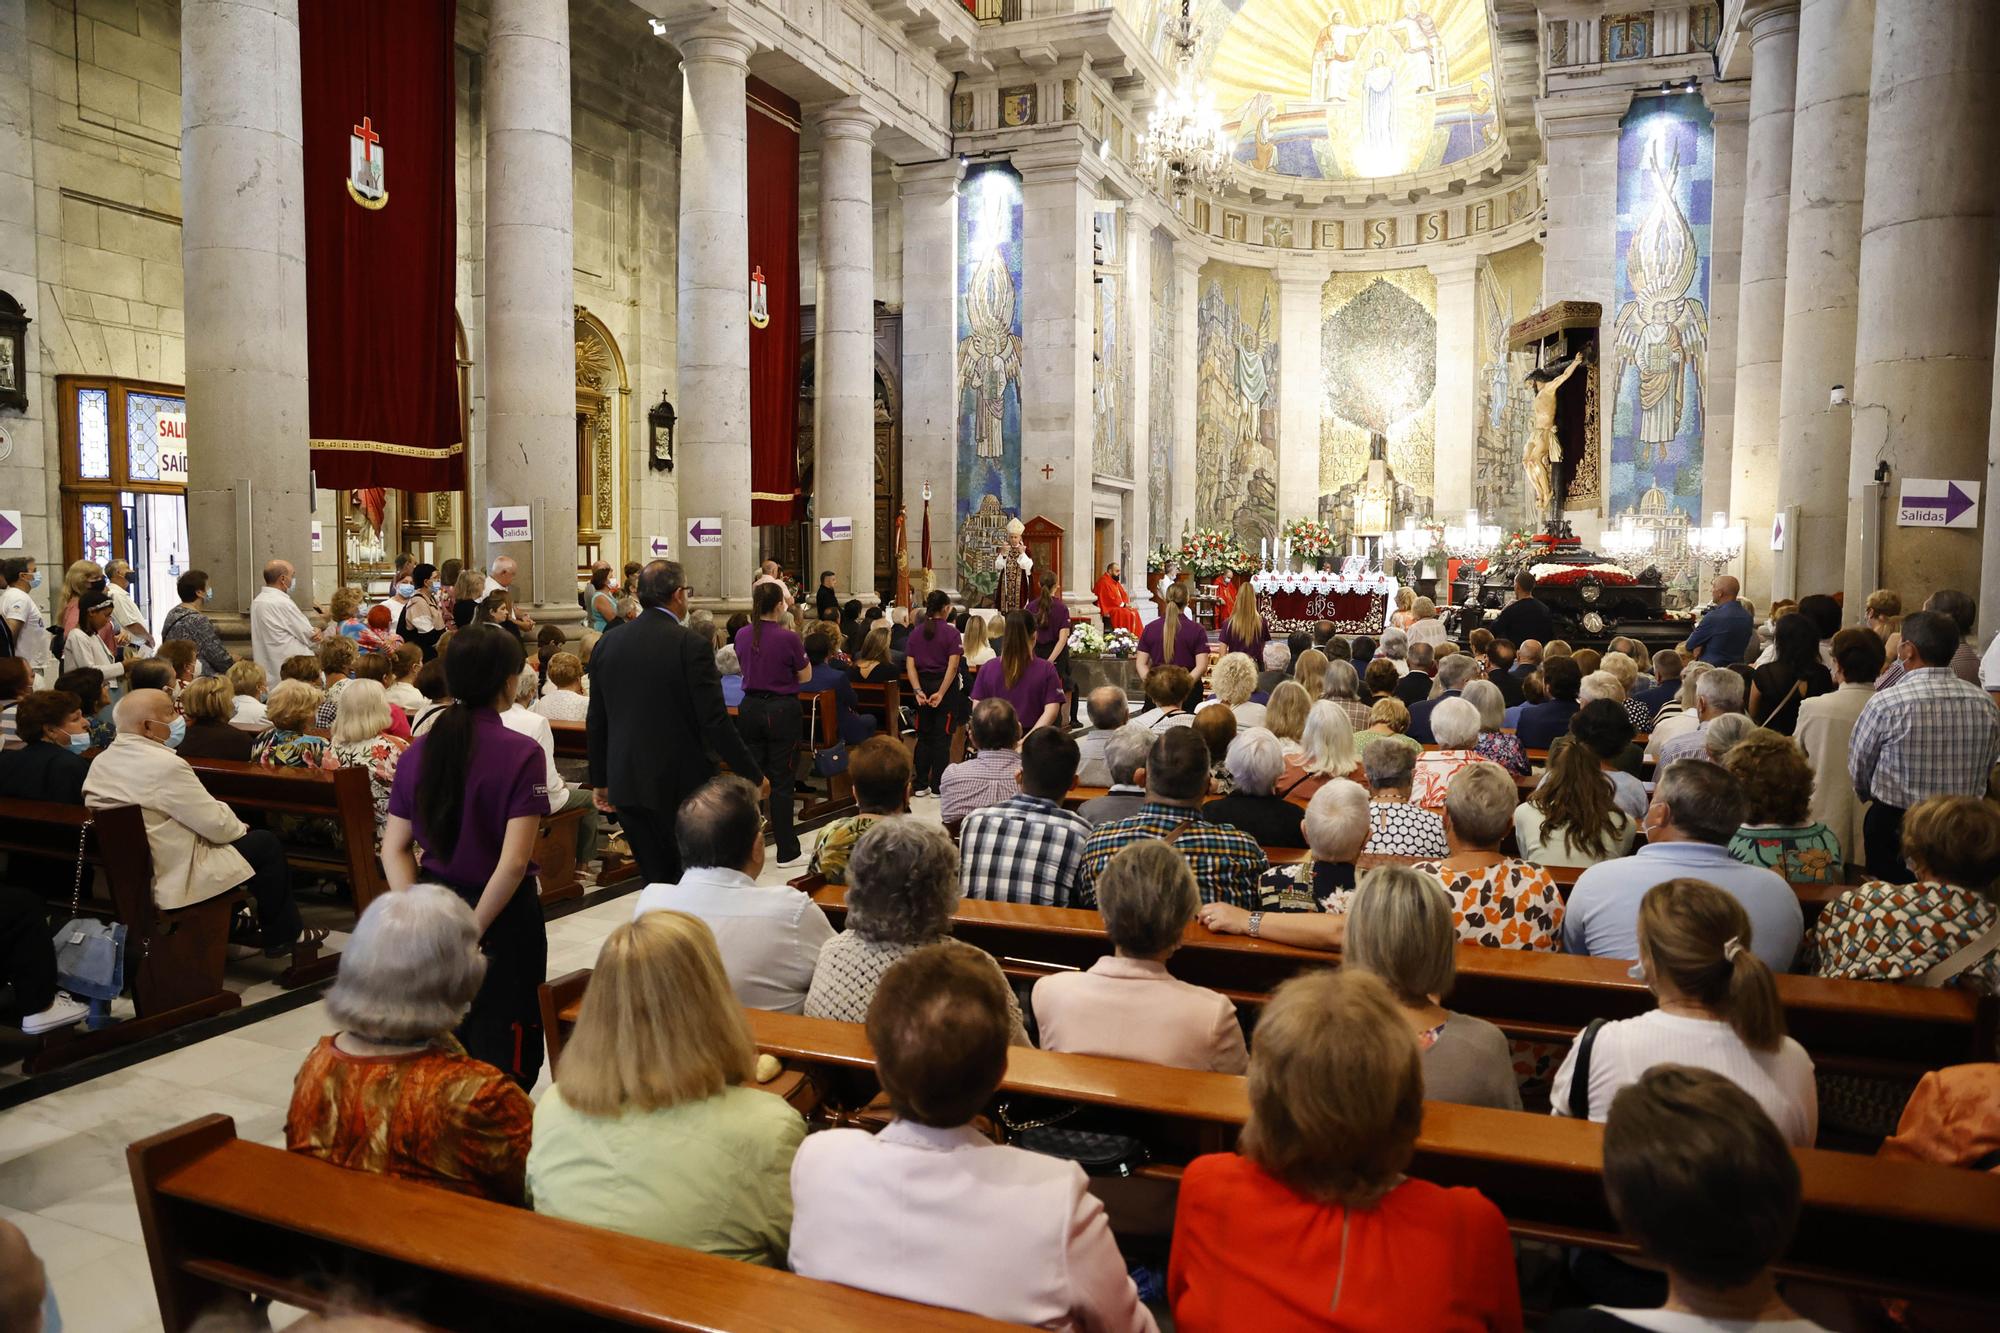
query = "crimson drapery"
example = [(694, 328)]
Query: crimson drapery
[(376, 88), (772, 155)]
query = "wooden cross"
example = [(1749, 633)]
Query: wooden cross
[(1048, 470)]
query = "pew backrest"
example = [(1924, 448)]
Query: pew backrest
[(343, 795)]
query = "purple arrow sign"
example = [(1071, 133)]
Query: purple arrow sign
[(1954, 501), (7, 529), (659, 546), (509, 527), (836, 529), (705, 531)]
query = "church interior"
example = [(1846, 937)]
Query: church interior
[(1348, 330)]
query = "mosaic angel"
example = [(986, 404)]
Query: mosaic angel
[(989, 357), (1662, 332)]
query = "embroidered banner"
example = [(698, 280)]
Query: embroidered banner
[(772, 155), (376, 81)]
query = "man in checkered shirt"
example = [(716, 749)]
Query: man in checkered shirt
[(1028, 849), (1932, 734), (1227, 862)]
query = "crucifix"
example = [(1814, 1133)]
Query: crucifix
[(1048, 470)]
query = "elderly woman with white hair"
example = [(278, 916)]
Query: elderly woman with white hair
[(1495, 745), (1626, 671), (1302, 903), (1678, 717), (1342, 685), (1256, 762), (1399, 928), (1232, 680), (1327, 750), (1503, 902), (1455, 723), (393, 1092), (902, 888), (361, 739), (730, 668), (1394, 649)]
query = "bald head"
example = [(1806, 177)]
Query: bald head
[(278, 574), (147, 713), (1108, 709), (1529, 653), (503, 571), (770, 569), (1725, 588)]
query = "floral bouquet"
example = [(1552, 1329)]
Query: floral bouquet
[(1210, 553), (1312, 541), (1120, 644), (1163, 557), (1085, 639), (1562, 576)]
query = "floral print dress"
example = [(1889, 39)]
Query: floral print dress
[(378, 755), (1806, 855), (1507, 905)]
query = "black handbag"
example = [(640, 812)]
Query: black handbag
[(830, 760), (1098, 1153)]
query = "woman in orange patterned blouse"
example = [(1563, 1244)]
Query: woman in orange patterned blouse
[(393, 1092), (1502, 902)]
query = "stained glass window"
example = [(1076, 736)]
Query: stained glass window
[(93, 433), (142, 425), (97, 532)]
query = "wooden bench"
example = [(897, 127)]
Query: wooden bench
[(174, 958), (883, 699), (1892, 1228), (572, 740), (226, 1220)]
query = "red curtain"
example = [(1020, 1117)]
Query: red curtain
[(377, 84), (773, 161)]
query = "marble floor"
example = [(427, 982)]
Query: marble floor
[(63, 1178)]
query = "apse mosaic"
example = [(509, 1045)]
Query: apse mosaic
[(1378, 391), (1160, 381), (1509, 286), (1236, 401), (1345, 89), (1110, 351), (1657, 351), (989, 371)]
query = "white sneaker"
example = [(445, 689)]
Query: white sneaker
[(802, 858), (66, 1010)]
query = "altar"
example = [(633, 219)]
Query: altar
[(1356, 603)]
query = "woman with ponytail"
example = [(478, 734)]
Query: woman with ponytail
[(1246, 631), (1051, 619), (472, 794), (933, 654), (1021, 678), (1174, 639), (1718, 1010), (770, 720)]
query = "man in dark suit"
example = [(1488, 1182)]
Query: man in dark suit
[(1667, 672), (1527, 616), (1452, 673), (657, 722)]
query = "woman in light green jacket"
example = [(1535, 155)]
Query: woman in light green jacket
[(651, 1128)]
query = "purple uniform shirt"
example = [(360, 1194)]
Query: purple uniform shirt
[(1255, 648), (507, 778), (1038, 687), (774, 666), (934, 653), (1190, 642), (1056, 623)]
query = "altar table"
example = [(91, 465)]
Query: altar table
[(1291, 602)]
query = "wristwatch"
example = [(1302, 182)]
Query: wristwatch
[(1255, 924)]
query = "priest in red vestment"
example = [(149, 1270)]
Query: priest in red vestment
[(1113, 602), (1225, 596)]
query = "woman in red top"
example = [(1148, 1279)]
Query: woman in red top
[(1311, 1223)]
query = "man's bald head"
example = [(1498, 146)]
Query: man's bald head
[(1530, 652), (503, 571), (141, 707), (1725, 588), (770, 568), (22, 1281), (1108, 708), (276, 572)]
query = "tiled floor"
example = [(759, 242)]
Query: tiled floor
[(63, 1178)]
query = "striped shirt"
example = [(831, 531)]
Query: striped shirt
[(1227, 862), (1932, 735), (1023, 850)]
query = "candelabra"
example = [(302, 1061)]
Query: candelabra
[(1472, 540), (1412, 544), (1628, 544), (1719, 543)]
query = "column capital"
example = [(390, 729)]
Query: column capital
[(711, 39), (1767, 18), (920, 179), (844, 119), (1188, 259), (1458, 266)]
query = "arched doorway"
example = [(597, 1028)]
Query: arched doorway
[(602, 396), (793, 546)]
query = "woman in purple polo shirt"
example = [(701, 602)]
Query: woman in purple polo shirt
[(1246, 631), (473, 795), (932, 655), (1175, 640), (1051, 619), (1021, 678), (769, 718)]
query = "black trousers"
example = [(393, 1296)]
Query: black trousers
[(934, 726), (504, 1025), (1882, 844), (770, 725), (1061, 663), (27, 956), (655, 845), (270, 885)]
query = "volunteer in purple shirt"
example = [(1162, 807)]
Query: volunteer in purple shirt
[(1175, 640), (1021, 678), (932, 656), (473, 794), (1051, 619), (769, 718)]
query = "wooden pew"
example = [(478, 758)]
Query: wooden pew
[(226, 1220), (1909, 1229), (883, 698), (572, 740), (342, 795), (821, 731), (175, 959)]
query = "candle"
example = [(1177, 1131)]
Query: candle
[(1264, 552)]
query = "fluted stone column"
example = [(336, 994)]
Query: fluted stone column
[(1187, 276), (1823, 248), (1299, 406), (531, 298), (1773, 32), (930, 359), (1923, 357), (1456, 415), (243, 257), (1989, 565), (714, 311), (1139, 314), (844, 349)]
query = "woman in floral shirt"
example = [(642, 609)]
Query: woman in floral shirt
[(289, 743), (1502, 903), (361, 739), (880, 769), (1495, 745), (1777, 788)]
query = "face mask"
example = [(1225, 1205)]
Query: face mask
[(79, 741), (1637, 971), (35, 579), (207, 593), (406, 590), (436, 587), (177, 733)]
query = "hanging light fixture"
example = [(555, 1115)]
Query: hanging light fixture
[(1719, 543), (1184, 135)]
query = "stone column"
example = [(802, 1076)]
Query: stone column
[(1989, 564), (1729, 104), (1299, 404), (844, 350), (930, 359), (530, 299), (714, 311), (26, 478), (1138, 313), (1457, 415), (243, 257), (1187, 275), (1923, 356), (1773, 32), (1829, 139)]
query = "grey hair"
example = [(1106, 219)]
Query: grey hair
[(1233, 678), (1422, 655), (1340, 681), (1394, 644), (526, 686), (1480, 803), (902, 882), (1602, 685), (1492, 705), (1399, 928), (411, 967), (727, 663), (1457, 669), (1390, 764), (1256, 761), (1336, 823), (1721, 689), (1277, 656), (1722, 733), (1125, 753), (1691, 677), (1327, 741), (1147, 896), (1455, 723), (1704, 801)]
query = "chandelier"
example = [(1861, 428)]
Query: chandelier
[(1628, 544), (1471, 541), (1184, 135), (1413, 544), (1718, 543)]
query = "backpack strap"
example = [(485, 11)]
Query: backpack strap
[(1579, 1081)]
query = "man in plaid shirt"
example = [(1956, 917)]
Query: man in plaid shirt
[(1227, 862), (1932, 735), (1028, 849)]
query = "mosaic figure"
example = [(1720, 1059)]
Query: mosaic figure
[(1662, 332)]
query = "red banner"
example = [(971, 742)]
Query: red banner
[(772, 155), (377, 84)]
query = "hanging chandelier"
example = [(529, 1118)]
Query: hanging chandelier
[(1184, 134)]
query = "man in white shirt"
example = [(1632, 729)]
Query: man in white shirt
[(278, 629), (1718, 692), (769, 934), (771, 573), (501, 579), (524, 719), (1109, 712), (131, 625), (23, 614)]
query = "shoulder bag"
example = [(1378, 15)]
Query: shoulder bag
[(1579, 1079), (1967, 956), (90, 954)]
